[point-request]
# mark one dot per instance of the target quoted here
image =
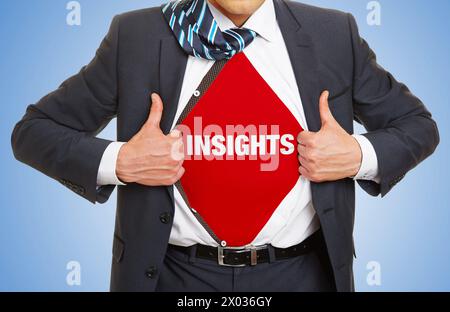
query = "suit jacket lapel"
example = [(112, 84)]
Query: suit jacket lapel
[(304, 62), (173, 63), (306, 68)]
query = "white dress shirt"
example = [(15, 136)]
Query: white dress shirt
[(295, 218)]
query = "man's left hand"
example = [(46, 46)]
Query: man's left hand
[(330, 154)]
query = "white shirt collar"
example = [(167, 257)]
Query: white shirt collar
[(263, 21)]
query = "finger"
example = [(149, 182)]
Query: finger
[(302, 150), (175, 133), (324, 108), (305, 162), (304, 153), (177, 177), (177, 150), (304, 172), (163, 178), (156, 111), (169, 169), (305, 137)]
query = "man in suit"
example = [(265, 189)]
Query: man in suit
[(320, 68)]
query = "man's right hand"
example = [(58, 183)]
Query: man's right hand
[(151, 158)]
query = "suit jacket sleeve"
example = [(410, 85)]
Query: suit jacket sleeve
[(399, 126), (57, 136)]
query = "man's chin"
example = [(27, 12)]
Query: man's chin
[(238, 7)]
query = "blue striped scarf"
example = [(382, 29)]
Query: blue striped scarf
[(198, 33)]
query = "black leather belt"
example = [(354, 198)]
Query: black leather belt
[(245, 256)]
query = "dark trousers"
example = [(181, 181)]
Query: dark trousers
[(307, 273)]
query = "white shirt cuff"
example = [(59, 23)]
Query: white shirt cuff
[(107, 169), (369, 165)]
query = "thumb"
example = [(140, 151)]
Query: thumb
[(156, 111), (325, 113)]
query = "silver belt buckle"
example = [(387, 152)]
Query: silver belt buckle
[(253, 255)]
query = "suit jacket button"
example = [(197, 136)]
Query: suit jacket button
[(165, 218), (151, 272)]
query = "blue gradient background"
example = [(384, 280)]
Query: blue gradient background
[(43, 226)]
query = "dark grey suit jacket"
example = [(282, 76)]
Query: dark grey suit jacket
[(140, 55)]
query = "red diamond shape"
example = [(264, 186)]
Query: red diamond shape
[(235, 197)]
